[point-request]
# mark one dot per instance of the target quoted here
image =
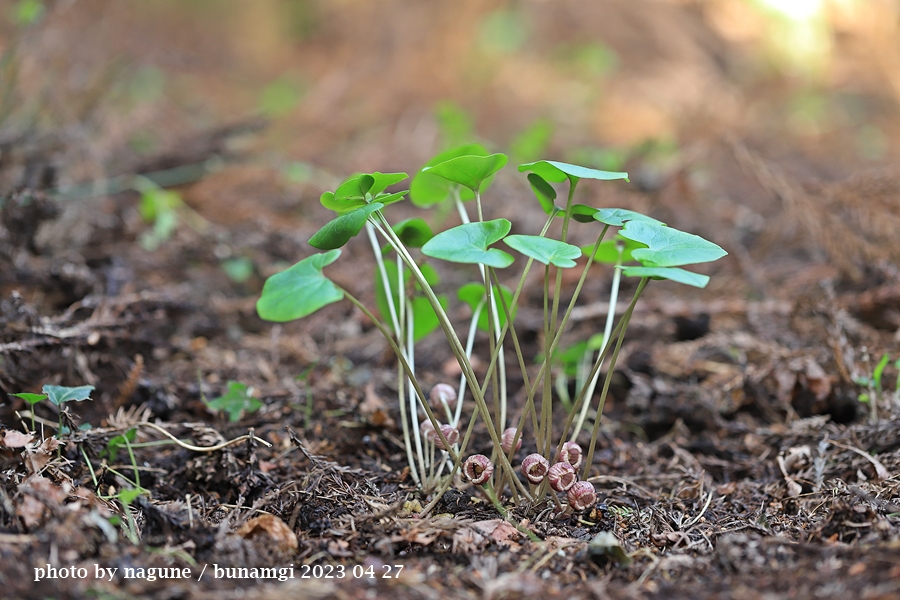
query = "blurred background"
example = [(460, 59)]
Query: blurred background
[(727, 113)]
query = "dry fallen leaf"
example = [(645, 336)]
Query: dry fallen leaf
[(374, 409), (38, 455), (271, 527), (16, 439)]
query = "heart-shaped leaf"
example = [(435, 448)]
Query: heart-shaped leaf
[(557, 172), (339, 230), (670, 273), (428, 189), (469, 171), (617, 217), (59, 394), (468, 243), (669, 247), (608, 251), (473, 294), (353, 192), (544, 193), (300, 290), (544, 250), (30, 398), (385, 198), (414, 233)]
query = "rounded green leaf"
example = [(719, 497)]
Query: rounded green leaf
[(544, 250), (428, 189), (30, 398), (473, 294), (381, 181), (544, 193), (358, 189), (670, 273), (468, 243), (608, 251), (557, 172), (669, 247), (469, 171), (617, 217), (339, 230), (414, 233), (59, 394), (300, 290)]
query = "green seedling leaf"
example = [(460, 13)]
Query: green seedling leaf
[(670, 273), (879, 370), (236, 401), (617, 217), (473, 293), (359, 190), (427, 189), (414, 233), (31, 399), (544, 193), (300, 290), (129, 495), (425, 320), (112, 447), (59, 394), (557, 172), (669, 247), (608, 251), (468, 243), (469, 171), (238, 269), (339, 230), (544, 250)]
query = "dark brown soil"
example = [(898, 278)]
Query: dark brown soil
[(735, 460)]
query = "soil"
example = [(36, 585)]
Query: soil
[(735, 458)]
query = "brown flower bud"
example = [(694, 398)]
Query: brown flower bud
[(570, 453), (582, 495), (478, 468), (506, 440), (562, 476), (535, 468), (427, 430)]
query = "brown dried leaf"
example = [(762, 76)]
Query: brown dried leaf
[(271, 527), (374, 409), (16, 439), (38, 455)]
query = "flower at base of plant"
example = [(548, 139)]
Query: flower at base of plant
[(570, 453), (562, 476), (582, 495), (506, 440), (535, 468), (450, 432), (442, 392), (478, 468)]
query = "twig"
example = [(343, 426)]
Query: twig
[(205, 448)]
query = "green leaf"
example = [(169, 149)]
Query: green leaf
[(113, 445), (879, 370), (670, 273), (339, 230), (385, 198), (583, 213), (381, 181), (608, 251), (557, 172), (473, 294), (617, 217), (468, 243), (414, 233), (31, 399), (59, 394), (357, 191), (544, 250), (428, 189), (129, 495), (669, 247), (236, 401), (300, 290), (469, 171), (544, 193)]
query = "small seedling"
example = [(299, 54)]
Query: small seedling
[(237, 400), (875, 394), (58, 395), (410, 308)]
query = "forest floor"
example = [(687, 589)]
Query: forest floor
[(735, 458)]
